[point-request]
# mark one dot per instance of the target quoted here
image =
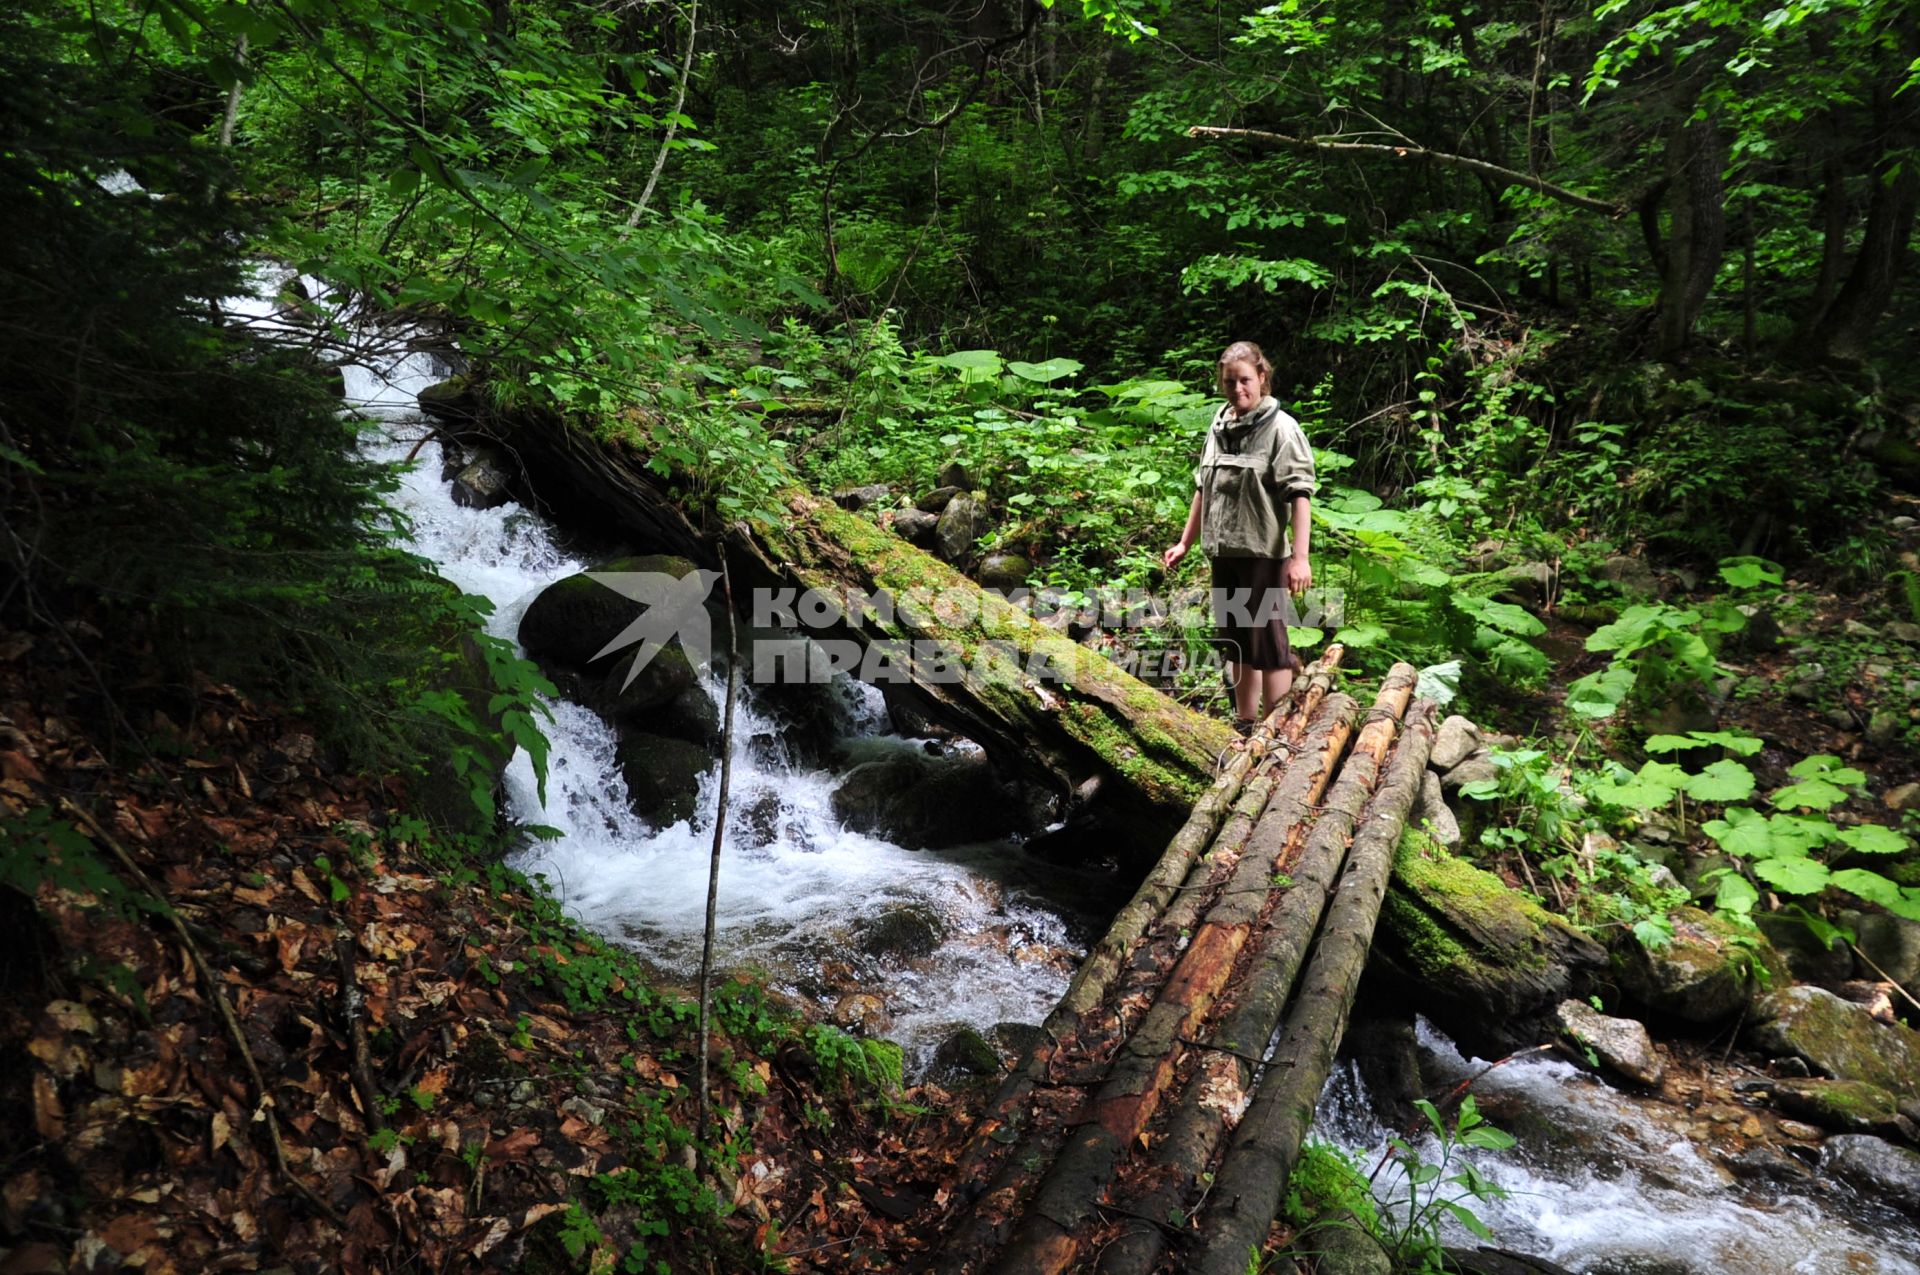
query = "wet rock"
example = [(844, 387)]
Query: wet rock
[(1846, 1105), (1761, 634), (863, 1013), (691, 715), (1435, 815), (1017, 1040), (1795, 1129), (863, 497), (1876, 1168), (574, 618), (1480, 959), (663, 776), (483, 482), (1903, 631), (1904, 798), (1768, 1165), (1885, 727), (1838, 1038), (960, 524), (1631, 575), (455, 401), (1386, 1052), (915, 526), (955, 474), (925, 803), (756, 821), (965, 1052), (1808, 959), (1342, 1246), (937, 500), (902, 934), (1455, 741), (663, 679), (1004, 571), (1500, 1261), (1705, 975), (1621, 1044)]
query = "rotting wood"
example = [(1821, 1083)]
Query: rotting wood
[(1142, 1063), (1252, 1177), (1006, 1137), (1049, 1236)]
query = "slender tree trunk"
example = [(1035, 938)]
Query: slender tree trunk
[(1696, 230), (233, 97), (1846, 330), (1834, 219)]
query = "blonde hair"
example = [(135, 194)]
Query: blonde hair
[(1243, 352)]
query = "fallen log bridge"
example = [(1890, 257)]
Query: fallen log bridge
[(1156, 1123)]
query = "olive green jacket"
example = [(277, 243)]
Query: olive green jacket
[(1251, 470)]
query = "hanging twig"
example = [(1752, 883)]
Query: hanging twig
[(216, 992), (673, 120), (719, 832)]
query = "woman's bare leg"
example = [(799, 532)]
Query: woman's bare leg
[(1246, 683), (1278, 682)]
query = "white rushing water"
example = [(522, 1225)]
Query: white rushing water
[(1603, 1186), (790, 908)]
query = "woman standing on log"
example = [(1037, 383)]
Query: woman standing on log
[(1255, 479)]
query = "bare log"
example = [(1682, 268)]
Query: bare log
[(1048, 1239), (1252, 1177), (1014, 1133), (1218, 1090)]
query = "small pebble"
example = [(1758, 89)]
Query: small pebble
[(1752, 1128), (1796, 1129)]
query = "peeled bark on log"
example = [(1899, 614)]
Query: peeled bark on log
[(1252, 1178), (1011, 1132), (1217, 1091), (980, 668), (1048, 1239)]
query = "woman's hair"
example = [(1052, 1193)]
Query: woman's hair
[(1243, 352)]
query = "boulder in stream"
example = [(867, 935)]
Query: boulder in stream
[(1838, 1038), (1876, 1168), (1621, 1044), (964, 1053), (902, 933), (1848, 1105), (663, 776), (574, 618), (926, 803), (483, 482), (1707, 974)]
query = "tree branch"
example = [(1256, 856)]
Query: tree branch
[(1418, 154)]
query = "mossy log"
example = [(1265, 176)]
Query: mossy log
[(1051, 1232), (1481, 959), (1252, 1178), (1039, 703)]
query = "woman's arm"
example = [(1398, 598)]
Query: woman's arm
[(1173, 555), (1297, 574)]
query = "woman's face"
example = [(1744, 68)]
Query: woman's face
[(1243, 385)]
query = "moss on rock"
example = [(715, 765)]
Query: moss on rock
[(1839, 1039), (1707, 974)]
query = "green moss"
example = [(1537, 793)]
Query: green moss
[(1500, 917)]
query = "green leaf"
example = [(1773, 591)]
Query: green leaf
[(1792, 875), (1872, 838), (1826, 766), (1749, 573), (1045, 373), (1810, 794), (1725, 780), (1600, 694), (1735, 893), (1743, 833), (1672, 743), (1361, 635)]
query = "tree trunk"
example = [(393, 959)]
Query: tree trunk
[(1252, 1178), (1091, 1037), (1050, 1236), (1039, 703), (1846, 330), (1696, 230), (1834, 220)]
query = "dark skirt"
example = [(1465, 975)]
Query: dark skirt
[(1250, 611)]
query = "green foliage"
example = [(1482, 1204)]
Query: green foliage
[(38, 848), (1439, 1189)]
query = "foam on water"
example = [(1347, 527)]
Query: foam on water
[(1599, 1185)]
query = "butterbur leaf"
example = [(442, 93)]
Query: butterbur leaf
[(1798, 834), (1872, 838), (1809, 794), (1733, 741), (1600, 694), (1826, 766), (1672, 743), (1792, 875), (1749, 572), (1735, 893), (1653, 933), (1868, 885), (1725, 780), (1744, 833), (1045, 373)]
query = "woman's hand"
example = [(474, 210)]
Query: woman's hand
[(1172, 556), (1297, 575)]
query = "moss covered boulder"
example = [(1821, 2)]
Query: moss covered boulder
[(1838, 1038), (663, 776), (1851, 1106), (574, 618), (1483, 960), (1710, 972)]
